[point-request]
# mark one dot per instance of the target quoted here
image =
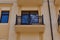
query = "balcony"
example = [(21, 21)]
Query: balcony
[(35, 27)]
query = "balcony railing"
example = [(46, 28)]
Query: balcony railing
[(59, 20), (59, 23), (34, 27), (40, 19)]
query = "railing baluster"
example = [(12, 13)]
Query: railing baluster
[(58, 19), (41, 20), (18, 20)]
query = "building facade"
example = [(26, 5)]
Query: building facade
[(29, 20)]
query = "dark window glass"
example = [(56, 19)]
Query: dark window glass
[(29, 17), (34, 18), (25, 18), (4, 16)]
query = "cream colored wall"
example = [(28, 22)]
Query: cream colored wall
[(29, 8), (12, 32), (4, 27), (54, 15), (7, 1), (45, 12), (32, 36), (29, 36), (4, 31), (46, 35)]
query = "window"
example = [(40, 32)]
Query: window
[(29, 17), (4, 16), (25, 18)]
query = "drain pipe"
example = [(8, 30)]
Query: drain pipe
[(50, 20)]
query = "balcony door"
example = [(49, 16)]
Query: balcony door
[(25, 18), (29, 17)]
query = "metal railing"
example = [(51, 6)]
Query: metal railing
[(58, 19), (18, 20)]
